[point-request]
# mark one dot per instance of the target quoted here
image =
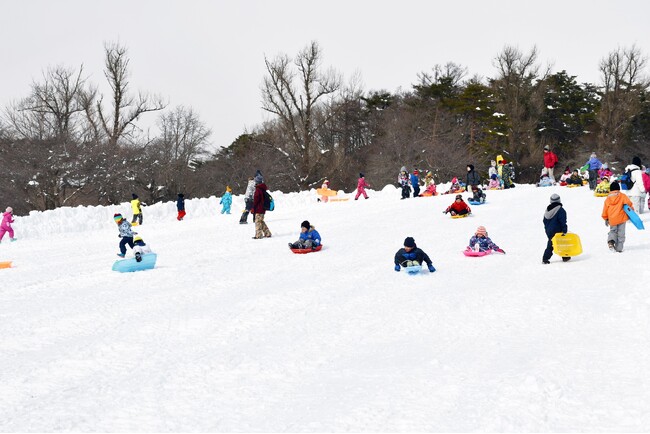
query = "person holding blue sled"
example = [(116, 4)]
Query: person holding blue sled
[(615, 217), (411, 256)]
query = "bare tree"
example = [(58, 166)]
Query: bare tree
[(294, 95), (622, 83), (183, 137), (125, 109), (520, 95)]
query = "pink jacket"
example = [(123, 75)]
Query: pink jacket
[(646, 182), (7, 220), (362, 183)]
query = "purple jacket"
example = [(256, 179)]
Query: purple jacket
[(7, 220)]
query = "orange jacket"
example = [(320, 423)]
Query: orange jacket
[(613, 208)]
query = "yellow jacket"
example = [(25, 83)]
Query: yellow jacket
[(613, 208), (135, 206)]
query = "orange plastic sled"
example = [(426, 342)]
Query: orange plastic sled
[(6, 264)]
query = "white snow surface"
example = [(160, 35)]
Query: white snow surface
[(233, 334)]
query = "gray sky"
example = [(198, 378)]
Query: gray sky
[(210, 54)]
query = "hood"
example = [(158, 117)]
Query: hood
[(551, 210)]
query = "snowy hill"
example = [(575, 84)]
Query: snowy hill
[(234, 334)]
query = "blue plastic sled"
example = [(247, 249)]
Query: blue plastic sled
[(413, 269), (471, 202), (129, 265), (634, 217)]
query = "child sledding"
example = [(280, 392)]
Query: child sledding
[(411, 257), (308, 241), (455, 187), (480, 244), (458, 208)]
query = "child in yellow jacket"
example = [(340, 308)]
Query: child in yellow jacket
[(615, 217)]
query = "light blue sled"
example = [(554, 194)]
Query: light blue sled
[(471, 202), (128, 265), (413, 269), (634, 217)]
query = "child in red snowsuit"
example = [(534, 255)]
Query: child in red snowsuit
[(361, 187), (459, 207)]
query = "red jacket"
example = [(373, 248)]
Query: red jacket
[(550, 159), (258, 199), (458, 207)]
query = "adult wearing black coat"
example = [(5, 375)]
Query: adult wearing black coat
[(554, 223)]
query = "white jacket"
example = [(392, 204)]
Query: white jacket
[(637, 177), (250, 190)]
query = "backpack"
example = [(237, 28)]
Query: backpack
[(626, 180), (269, 205)]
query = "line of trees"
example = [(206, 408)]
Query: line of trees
[(68, 144)]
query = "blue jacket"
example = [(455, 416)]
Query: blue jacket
[(226, 199), (415, 180), (180, 204), (312, 234), (555, 220), (594, 163)]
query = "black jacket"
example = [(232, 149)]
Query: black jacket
[(416, 254)]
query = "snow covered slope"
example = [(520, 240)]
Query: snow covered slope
[(234, 334)]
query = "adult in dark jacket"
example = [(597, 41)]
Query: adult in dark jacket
[(411, 255), (473, 181), (261, 230), (554, 223)]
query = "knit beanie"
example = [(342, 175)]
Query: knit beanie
[(361, 175), (9, 209), (117, 217), (614, 186), (305, 224), (409, 242), (134, 196), (481, 230), (637, 161), (555, 198), (547, 148)]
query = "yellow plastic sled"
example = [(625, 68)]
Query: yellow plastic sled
[(567, 245)]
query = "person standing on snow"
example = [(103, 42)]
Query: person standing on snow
[(136, 206), (554, 223), (5, 226), (593, 165), (361, 187), (637, 192), (248, 201), (550, 160), (261, 229)]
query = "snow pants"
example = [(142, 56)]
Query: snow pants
[(261, 230), (123, 243), (137, 218), (361, 191), (617, 235), (593, 179), (8, 230), (639, 203)]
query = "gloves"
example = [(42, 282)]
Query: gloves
[(606, 222), (501, 251), (444, 212), (397, 267), (431, 268)]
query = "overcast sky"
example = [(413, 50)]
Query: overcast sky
[(210, 54)]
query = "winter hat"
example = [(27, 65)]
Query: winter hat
[(614, 186), (134, 196), (503, 161), (637, 161), (305, 224), (138, 239), (547, 148), (326, 182), (454, 180), (458, 196), (494, 176), (555, 198), (409, 242), (481, 230), (9, 209), (403, 169), (259, 179), (228, 189), (117, 217), (361, 175), (593, 155)]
